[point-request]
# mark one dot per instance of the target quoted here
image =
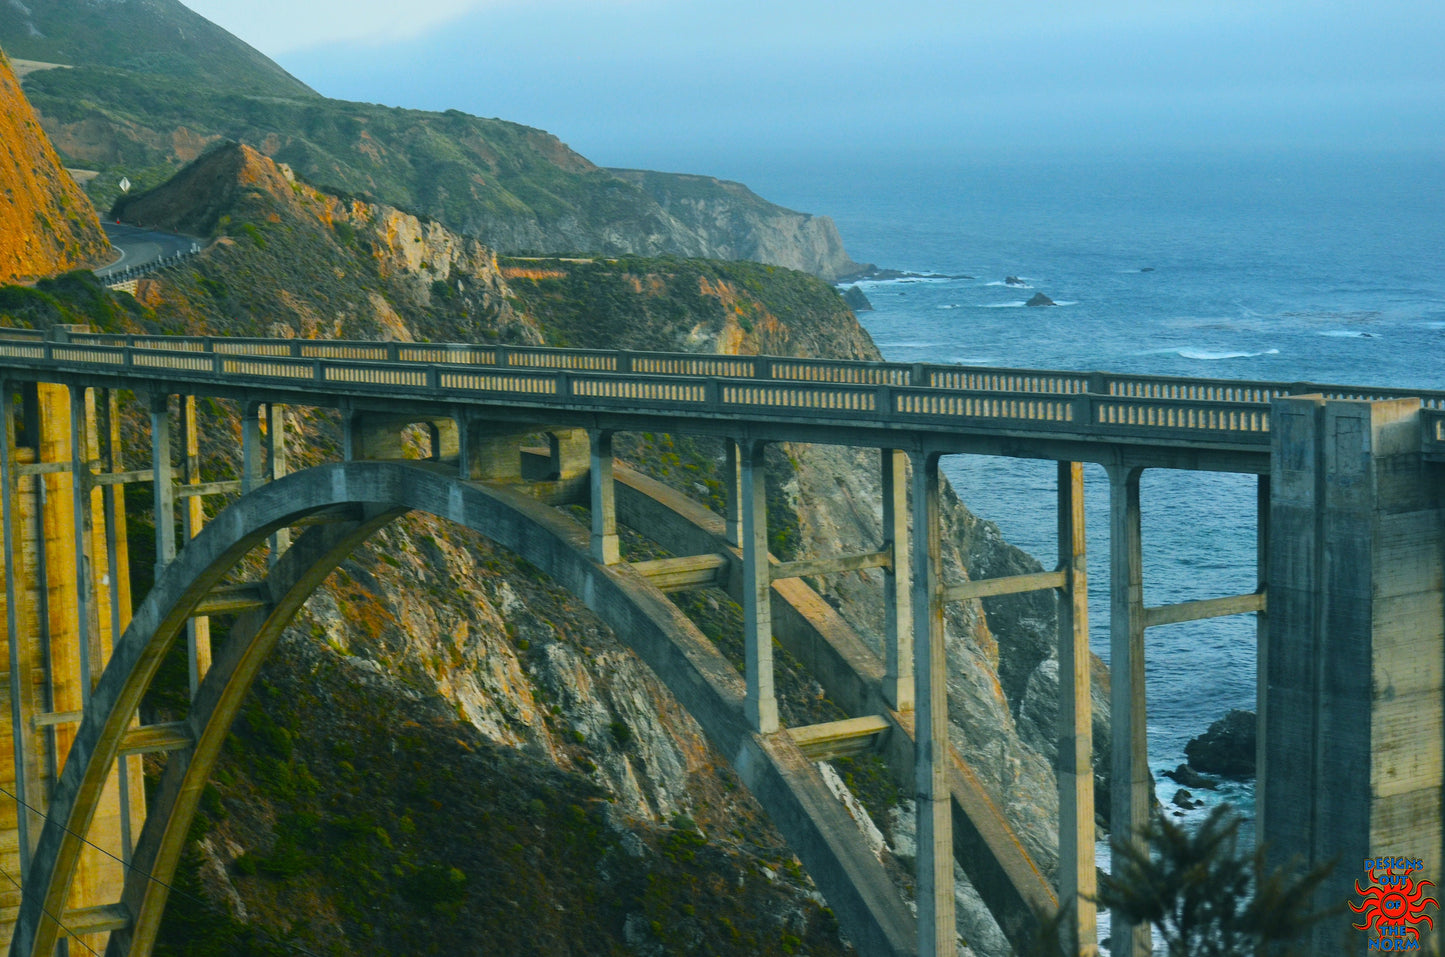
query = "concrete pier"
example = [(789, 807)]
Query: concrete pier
[(1354, 723)]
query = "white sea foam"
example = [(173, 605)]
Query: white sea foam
[(905, 281), (1212, 356), (1011, 285), (885, 344), (1348, 334), (1003, 305)]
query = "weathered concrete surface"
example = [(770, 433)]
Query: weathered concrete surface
[(66, 610), (992, 856), (1353, 727)]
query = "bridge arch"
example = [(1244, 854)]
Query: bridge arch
[(346, 503)]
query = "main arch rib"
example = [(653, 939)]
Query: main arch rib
[(367, 495)]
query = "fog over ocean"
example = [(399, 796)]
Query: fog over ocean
[(1330, 269)]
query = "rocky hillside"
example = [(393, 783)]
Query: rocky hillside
[(736, 223), (145, 112), (449, 754), (46, 224)]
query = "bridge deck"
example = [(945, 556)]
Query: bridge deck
[(1175, 422)]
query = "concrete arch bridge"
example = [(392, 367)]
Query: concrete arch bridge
[(1349, 604)]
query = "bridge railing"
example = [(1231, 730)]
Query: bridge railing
[(1101, 403), (1237, 423), (850, 372)]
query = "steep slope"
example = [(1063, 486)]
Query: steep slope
[(495, 770), (738, 224), (46, 224), (161, 38), (516, 188)]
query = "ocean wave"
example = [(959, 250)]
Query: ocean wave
[(1212, 356), (1348, 334), (905, 280), (1011, 285), (1017, 304), (885, 344), (951, 305)]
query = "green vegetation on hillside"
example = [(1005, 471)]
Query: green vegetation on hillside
[(667, 303), (152, 86), (159, 38), (76, 298)]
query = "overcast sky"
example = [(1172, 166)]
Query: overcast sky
[(714, 87)]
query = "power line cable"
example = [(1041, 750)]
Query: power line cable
[(128, 866), (72, 934)]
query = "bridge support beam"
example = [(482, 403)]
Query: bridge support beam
[(1261, 644), (1353, 733), (936, 918), (603, 499), (162, 488), (25, 780), (64, 597), (897, 583), (193, 517), (1077, 875), (87, 621), (1130, 800), (761, 704), (733, 476)]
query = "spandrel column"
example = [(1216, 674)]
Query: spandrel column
[(897, 582), (1077, 874), (604, 542), (1130, 797), (761, 704), (20, 632), (193, 517), (934, 892)]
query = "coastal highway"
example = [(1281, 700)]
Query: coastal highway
[(139, 247)]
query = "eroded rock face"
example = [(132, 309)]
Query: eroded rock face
[(733, 222), (47, 226)]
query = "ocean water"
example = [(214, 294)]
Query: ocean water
[(1330, 269)]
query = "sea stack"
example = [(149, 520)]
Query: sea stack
[(1039, 299)]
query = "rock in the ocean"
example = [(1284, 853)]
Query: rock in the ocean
[(1191, 778), (1012, 281), (1184, 799), (1227, 748), (856, 301), (1039, 299)]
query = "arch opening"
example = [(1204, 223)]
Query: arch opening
[(361, 498)]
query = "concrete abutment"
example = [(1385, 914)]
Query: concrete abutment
[(1353, 688)]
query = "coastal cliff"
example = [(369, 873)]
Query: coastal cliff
[(119, 113), (46, 224), (448, 752)]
